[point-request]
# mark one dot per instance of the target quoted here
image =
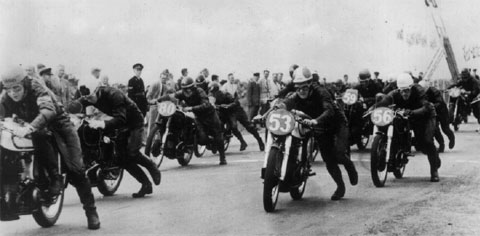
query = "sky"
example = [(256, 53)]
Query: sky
[(331, 37)]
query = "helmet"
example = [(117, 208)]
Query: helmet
[(404, 80), (13, 76), (465, 73), (364, 74), (301, 75), (187, 83), (213, 86), (200, 79)]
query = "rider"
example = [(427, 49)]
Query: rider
[(206, 118), (368, 88), (435, 97), (127, 118), (233, 112), (470, 85), (412, 98), (31, 102), (330, 126)]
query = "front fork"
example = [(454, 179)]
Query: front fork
[(286, 153), (389, 140)]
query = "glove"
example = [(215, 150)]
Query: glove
[(97, 124), (187, 109), (311, 122), (408, 112), (23, 131)]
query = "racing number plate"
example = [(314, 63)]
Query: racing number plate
[(382, 116), (350, 96), (280, 122), (166, 108)]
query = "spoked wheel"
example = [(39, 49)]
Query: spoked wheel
[(110, 181), (226, 142), (378, 162), (312, 149), (46, 215), (398, 172), (271, 185), (184, 156), (198, 148), (362, 144)]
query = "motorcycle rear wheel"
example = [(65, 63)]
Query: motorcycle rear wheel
[(271, 185), (378, 160), (362, 144), (198, 149), (185, 157), (108, 187), (297, 193), (47, 216)]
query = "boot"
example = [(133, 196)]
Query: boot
[(223, 161), (352, 172), (92, 218), (451, 142), (434, 176), (336, 174), (56, 185), (243, 145), (151, 167), (261, 145), (145, 189), (441, 147)]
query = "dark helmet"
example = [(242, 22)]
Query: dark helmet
[(200, 79), (364, 74), (187, 83), (465, 73), (213, 87)]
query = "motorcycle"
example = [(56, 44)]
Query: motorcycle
[(173, 135), (23, 181), (288, 156), (100, 156), (391, 145), (458, 107), (360, 128)]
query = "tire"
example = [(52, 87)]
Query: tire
[(47, 216), (297, 193), (152, 137), (379, 160), (271, 185), (108, 187), (185, 157), (398, 173), (226, 143), (198, 149), (362, 144)]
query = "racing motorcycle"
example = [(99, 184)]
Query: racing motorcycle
[(173, 135), (23, 181), (391, 145), (100, 156), (360, 128), (288, 156), (458, 107)]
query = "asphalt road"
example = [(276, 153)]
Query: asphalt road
[(207, 199)]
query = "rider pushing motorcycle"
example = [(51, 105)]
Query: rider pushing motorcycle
[(206, 118), (231, 112), (330, 126), (412, 98), (127, 118), (471, 85), (33, 103)]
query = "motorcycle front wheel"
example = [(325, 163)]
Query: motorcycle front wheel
[(271, 185), (378, 160), (47, 215), (109, 182)]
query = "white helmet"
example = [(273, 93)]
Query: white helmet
[(404, 80), (301, 75)]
